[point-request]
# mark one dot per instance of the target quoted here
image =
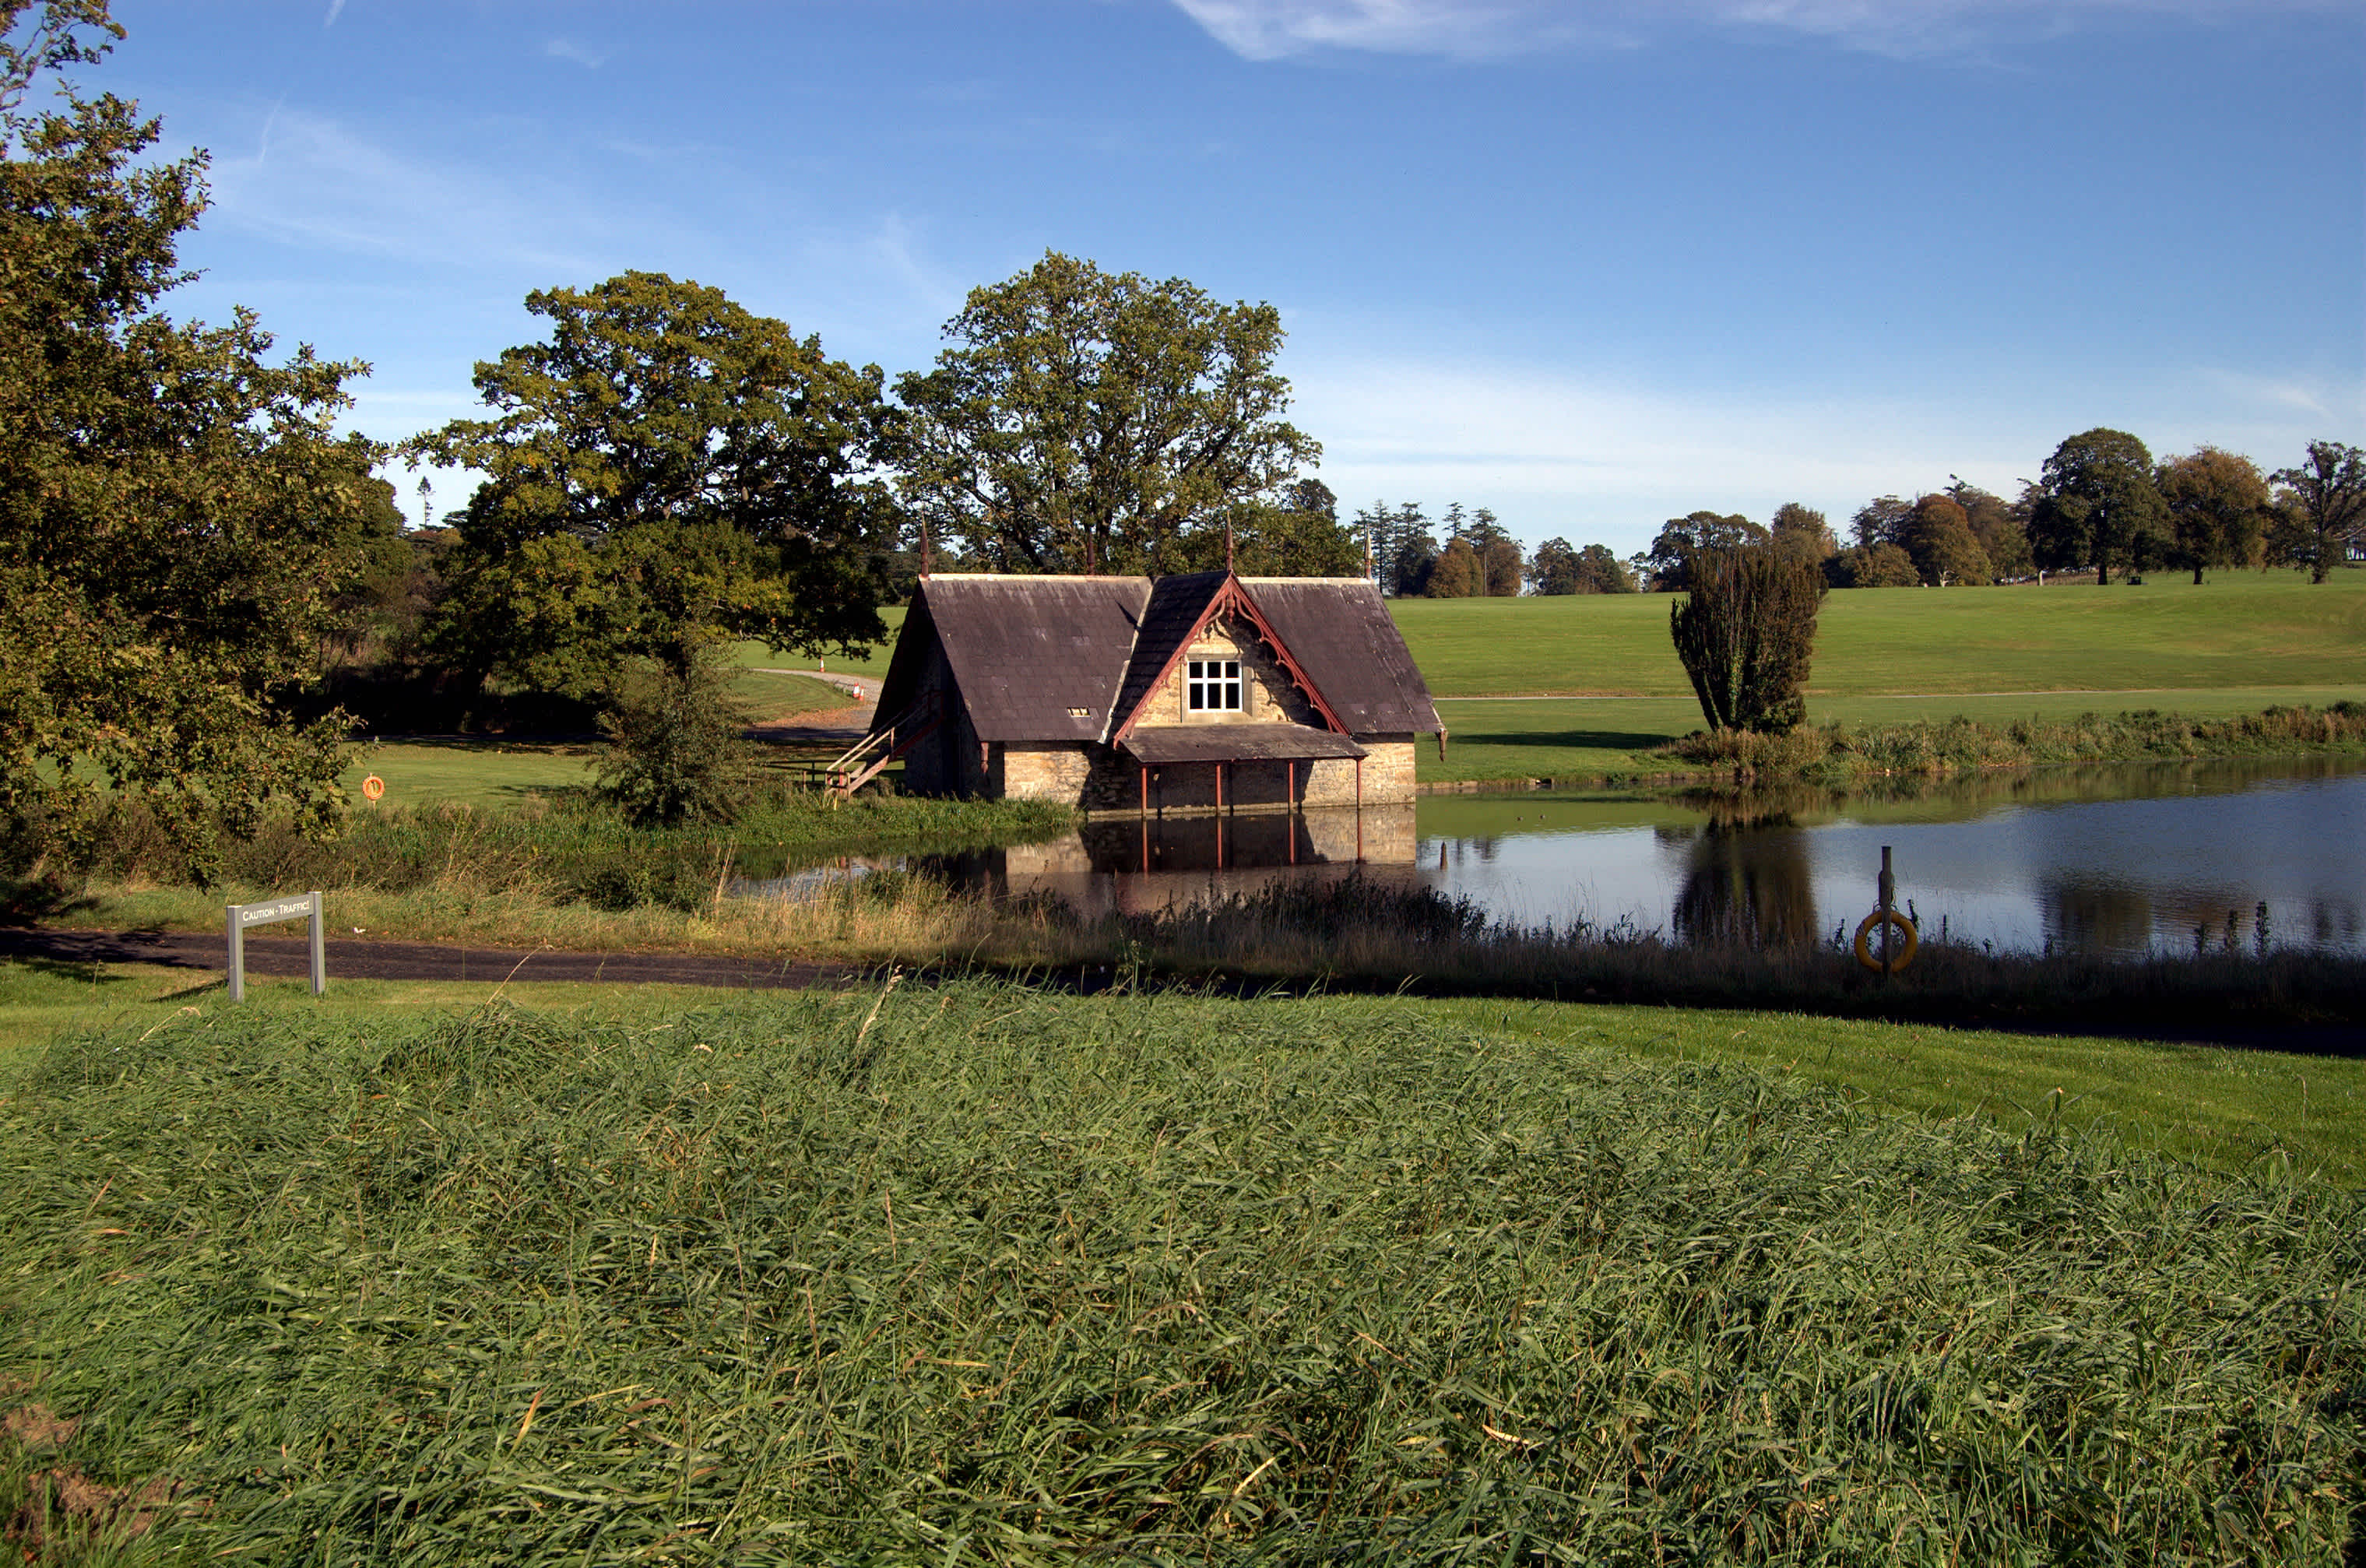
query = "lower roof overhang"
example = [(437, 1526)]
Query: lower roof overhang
[(1157, 747)]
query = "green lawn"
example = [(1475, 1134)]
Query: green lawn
[(467, 770), (41, 1000), (873, 660), (498, 770), (2239, 630)]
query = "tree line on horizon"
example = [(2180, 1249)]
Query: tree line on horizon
[(2101, 505)]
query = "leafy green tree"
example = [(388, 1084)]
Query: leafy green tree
[(1682, 539), (1083, 421), (2327, 507), (2098, 506), (1301, 537), (1872, 566), (1938, 541), (666, 470), (1801, 535), (1557, 568), (2218, 509), (173, 504), (1881, 520), (1746, 631), (1500, 563), (1553, 568), (675, 750), (1599, 571)]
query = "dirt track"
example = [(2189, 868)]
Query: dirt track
[(348, 960)]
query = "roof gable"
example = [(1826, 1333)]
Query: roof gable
[(1170, 627)]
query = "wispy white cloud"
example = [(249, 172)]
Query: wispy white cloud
[(1272, 29), (568, 49), (336, 9), (316, 182)]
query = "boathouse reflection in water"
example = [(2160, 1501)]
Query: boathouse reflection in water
[(1138, 865)]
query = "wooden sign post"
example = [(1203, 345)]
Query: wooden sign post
[(237, 916)]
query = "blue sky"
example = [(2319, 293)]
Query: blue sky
[(1591, 264)]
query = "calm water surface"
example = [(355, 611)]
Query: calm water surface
[(2121, 860)]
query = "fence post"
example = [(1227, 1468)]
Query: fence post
[(237, 937), (320, 952)]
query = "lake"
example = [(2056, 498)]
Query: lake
[(2121, 860)]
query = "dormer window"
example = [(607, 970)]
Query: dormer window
[(1212, 685)]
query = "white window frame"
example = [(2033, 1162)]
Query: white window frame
[(1212, 685)]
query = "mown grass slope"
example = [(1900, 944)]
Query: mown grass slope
[(2240, 630), (975, 1276)]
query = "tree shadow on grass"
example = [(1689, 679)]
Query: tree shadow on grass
[(29, 900)]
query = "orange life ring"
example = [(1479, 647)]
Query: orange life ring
[(1899, 960), (373, 786)]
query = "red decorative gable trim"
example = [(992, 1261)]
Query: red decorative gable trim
[(1234, 598)]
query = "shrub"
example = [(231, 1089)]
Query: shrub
[(1745, 633), (675, 752)]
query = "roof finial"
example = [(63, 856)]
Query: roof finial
[(1228, 546), (926, 559)]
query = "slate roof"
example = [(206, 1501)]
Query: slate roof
[(1158, 745), (1340, 631), (1026, 650)]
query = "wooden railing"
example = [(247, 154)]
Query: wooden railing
[(869, 756)]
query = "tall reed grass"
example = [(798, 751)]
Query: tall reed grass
[(979, 1276), (560, 848), (1371, 932)]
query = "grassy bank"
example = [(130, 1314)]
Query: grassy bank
[(975, 1276), (1835, 753), (1593, 739)]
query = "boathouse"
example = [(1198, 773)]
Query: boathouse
[(1126, 694)]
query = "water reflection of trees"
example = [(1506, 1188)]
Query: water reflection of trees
[(1747, 883), (2086, 915)]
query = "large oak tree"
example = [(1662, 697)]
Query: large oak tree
[(666, 470), (2327, 506), (2218, 508), (2098, 506), (1083, 421)]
